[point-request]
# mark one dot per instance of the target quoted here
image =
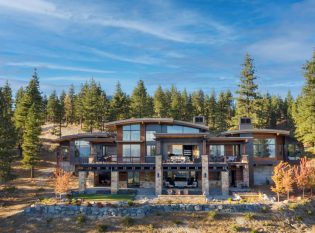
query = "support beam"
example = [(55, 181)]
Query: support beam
[(205, 174), (225, 183), (90, 180), (246, 176), (158, 175), (114, 182), (82, 181)]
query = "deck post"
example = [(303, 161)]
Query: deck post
[(205, 174), (246, 175), (158, 175), (114, 182), (225, 184), (82, 181)]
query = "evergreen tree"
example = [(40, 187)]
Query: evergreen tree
[(198, 100), (69, 106), (8, 134), (139, 105), (186, 106), (288, 112), (159, 103), (223, 111), (264, 111), (304, 116), (212, 112), (175, 105), (55, 112), (119, 105), (247, 92), (31, 143)]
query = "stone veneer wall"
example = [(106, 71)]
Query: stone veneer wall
[(141, 211)]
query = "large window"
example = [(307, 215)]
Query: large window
[(82, 148), (149, 136), (181, 129), (151, 150), (131, 132), (216, 150), (175, 149), (265, 148), (131, 153)]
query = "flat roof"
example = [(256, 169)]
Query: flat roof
[(170, 121), (268, 131)]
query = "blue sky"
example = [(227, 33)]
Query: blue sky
[(192, 44)]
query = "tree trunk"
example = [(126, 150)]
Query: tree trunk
[(288, 196), (32, 172), (278, 195), (303, 189)]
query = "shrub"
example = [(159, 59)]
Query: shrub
[(177, 222), (158, 214), (130, 203), (292, 206), (243, 201), (101, 228), (99, 205), (253, 231), (81, 219), (127, 221), (10, 189), (89, 204), (40, 190), (309, 212), (235, 228), (150, 228), (230, 199), (265, 209), (249, 216), (298, 218), (212, 214)]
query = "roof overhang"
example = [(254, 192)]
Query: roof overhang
[(169, 121), (181, 135), (257, 131), (228, 139), (96, 137)]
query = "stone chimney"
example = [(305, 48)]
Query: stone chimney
[(245, 123)]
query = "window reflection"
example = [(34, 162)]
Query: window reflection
[(265, 148), (131, 132)]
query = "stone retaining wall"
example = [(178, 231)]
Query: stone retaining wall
[(140, 211)]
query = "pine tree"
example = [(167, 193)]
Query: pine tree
[(288, 112), (198, 101), (247, 92), (119, 105), (264, 111), (69, 106), (304, 115), (223, 111), (8, 134), (55, 112), (212, 112), (186, 106), (31, 143), (175, 105), (139, 105), (159, 103)]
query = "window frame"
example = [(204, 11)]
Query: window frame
[(260, 150), (131, 130)]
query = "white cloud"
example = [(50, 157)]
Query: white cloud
[(57, 67)]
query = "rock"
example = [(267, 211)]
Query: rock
[(197, 208)]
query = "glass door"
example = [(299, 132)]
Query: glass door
[(133, 179)]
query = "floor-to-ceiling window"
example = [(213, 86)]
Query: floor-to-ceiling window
[(131, 153), (82, 148), (131, 132), (265, 148)]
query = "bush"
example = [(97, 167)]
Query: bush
[(101, 228), (298, 218), (40, 190), (158, 214), (127, 221), (230, 199), (89, 204), (235, 228), (243, 201), (249, 216), (292, 206), (81, 219), (254, 231), (99, 205), (265, 209), (130, 203), (10, 189), (150, 228), (212, 214), (309, 212), (177, 222)]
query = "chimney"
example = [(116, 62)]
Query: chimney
[(245, 123), (199, 120)]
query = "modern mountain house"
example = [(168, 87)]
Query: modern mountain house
[(166, 154)]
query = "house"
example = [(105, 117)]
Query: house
[(165, 154)]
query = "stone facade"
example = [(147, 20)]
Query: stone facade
[(114, 182), (225, 183), (82, 181), (158, 175), (90, 180), (246, 176), (205, 174)]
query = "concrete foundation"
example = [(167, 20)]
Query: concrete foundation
[(205, 174), (114, 182), (82, 181), (225, 183), (158, 175)]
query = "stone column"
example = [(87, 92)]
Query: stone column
[(90, 180), (246, 175), (82, 181), (225, 183), (158, 175), (114, 182), (205, 174)]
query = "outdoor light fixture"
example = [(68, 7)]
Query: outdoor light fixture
[(158, 174), (205, 175)]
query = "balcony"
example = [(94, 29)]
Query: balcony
[(181, 159), (229, 159), (110, 159)]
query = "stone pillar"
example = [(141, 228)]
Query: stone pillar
[(225, 183), (246, 175), (205, 174), (82, 181), (158, 175), (90, 180), (114, 182)]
